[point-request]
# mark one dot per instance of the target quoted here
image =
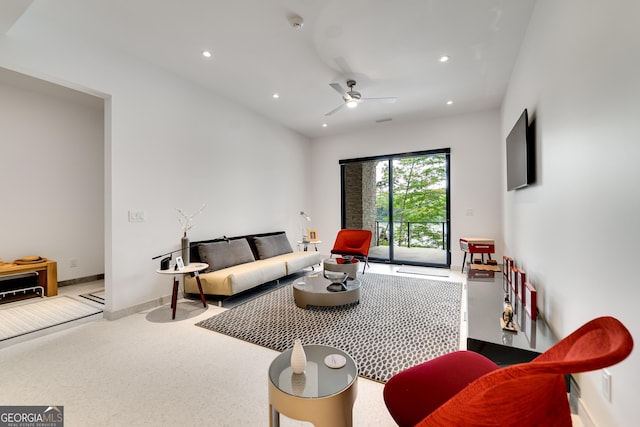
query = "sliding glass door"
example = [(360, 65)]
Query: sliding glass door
[(404, 200)]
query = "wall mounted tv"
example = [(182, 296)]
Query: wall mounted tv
[(520, 154)]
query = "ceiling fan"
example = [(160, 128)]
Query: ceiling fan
[(352, 97)]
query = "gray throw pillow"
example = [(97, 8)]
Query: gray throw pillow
[(221, 255), (270, 246)]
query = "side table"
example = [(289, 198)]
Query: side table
[(322, 395), (476, 245), (194, 268), (305, 245)]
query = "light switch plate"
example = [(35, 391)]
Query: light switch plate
[(606, 384), (137, 216)]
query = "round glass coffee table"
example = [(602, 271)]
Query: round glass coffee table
[(322, 395), (316, 290)]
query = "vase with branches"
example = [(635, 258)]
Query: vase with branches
[(186, 222)]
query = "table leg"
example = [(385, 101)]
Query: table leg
[(202, 298), (274, 417), (174, 297), (51, 289)]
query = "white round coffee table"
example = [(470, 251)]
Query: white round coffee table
[(315, 290), (343, 265)]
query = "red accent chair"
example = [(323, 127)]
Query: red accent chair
[(353, 242), (465, 388)]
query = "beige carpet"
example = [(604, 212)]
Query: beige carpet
[(41, 314)]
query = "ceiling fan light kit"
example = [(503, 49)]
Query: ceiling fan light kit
[(352, 97)]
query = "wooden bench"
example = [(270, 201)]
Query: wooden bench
[(47, 274)]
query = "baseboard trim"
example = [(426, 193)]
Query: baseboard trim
[(584, 415), (119, 314), (578, 408), (79, 280)]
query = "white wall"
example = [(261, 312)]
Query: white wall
[(51, 170), (476, 165), (169, 144), (576, 231)]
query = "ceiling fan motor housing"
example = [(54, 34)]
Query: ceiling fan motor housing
[(352, 94), (352, 98)]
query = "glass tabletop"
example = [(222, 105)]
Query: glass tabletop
[(319, 380)]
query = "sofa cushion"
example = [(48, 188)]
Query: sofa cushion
[(221, 255), (270, 246), (232, 280), (298, 260)]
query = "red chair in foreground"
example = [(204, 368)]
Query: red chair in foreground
[(355, 243), (465, 388)]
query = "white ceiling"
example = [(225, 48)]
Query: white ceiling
[(391, 48)]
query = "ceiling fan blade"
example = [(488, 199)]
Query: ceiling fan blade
[(389, 100), (335, 109), (338, 88), (343, 65)]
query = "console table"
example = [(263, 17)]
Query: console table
[(47, 274), (485, 334)]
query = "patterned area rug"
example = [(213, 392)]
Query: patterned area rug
[(399, 322), (424, 271), (42, 314)]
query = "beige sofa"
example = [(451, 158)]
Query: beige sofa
[(237, 264)]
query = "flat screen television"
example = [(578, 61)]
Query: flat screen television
[(520, 154)]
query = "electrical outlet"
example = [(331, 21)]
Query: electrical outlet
[(606, 384), (73, 262)]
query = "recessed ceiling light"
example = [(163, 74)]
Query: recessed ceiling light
[(444, 58), (449, 102), (206, 53), (324, 125), (276, 96)]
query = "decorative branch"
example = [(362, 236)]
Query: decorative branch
[(186, 221)]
